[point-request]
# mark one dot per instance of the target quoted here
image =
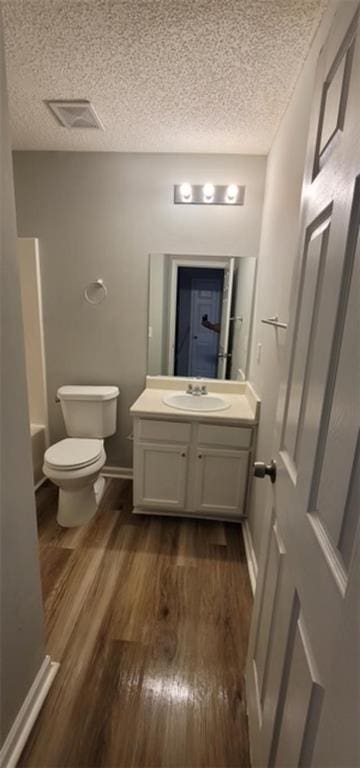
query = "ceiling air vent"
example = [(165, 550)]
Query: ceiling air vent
[(75, 114)]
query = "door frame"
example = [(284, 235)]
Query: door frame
[(224, 336)]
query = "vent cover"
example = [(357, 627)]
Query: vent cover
[(75, 114)]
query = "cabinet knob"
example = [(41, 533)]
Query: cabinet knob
[(199, 455), (183, 454)]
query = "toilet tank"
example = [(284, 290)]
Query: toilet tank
[(89, 411)]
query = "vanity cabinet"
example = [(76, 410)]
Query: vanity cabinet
[(192, 467)]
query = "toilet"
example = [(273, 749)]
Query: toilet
[(75, 463)]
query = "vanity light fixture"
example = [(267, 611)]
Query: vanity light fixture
[(208, 194), (185, 191), (231, 193)]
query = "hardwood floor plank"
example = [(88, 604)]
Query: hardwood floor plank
[(66, 600), (108, 736), (53, 562), (149, 617), (57, 729)]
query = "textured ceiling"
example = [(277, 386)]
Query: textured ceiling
[(163, 75)]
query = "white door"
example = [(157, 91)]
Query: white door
[(204, 343), (223, 353), (303, 673), (160, 473), (221, 478)]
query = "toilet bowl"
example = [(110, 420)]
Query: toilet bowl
[(74, 465)]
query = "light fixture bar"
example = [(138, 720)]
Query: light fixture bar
[(208, 194)]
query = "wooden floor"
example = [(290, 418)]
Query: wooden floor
[(149, 617)]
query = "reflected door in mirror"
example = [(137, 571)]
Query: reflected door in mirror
[(198, 317)]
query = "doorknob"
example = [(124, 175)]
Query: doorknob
[(261, 469)]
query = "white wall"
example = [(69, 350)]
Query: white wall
[(278, 249), (100, 215), (21, 620)]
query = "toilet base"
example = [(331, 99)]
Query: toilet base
[(99, 488), (78, 506)]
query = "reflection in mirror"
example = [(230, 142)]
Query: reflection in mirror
[(199, 320)]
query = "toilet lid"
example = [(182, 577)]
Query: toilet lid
[(73, 453)]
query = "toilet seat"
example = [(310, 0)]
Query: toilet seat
[(74, 453)]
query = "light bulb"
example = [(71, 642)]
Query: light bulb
[(231, 193), (209, 191), (186, 190)]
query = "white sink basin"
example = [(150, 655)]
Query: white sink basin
[(185, 402)]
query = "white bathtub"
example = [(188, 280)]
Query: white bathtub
[(38, 444)]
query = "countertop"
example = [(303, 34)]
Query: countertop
[(244, 404)]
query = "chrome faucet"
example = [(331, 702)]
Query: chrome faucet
[(196, 389)]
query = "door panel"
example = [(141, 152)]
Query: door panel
[(221, 478), (204, 343), (310, 290), (332, 100), (263, 640), (308, 591), (334, 97), (161, 473), (350, 517), (300, 698), (337, 447)]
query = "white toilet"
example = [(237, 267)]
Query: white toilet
[(74, 464)]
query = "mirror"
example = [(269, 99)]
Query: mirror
[(199, 318)]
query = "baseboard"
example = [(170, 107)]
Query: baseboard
[(28, 713), (39, 483), (126, 473), (250, 555), (187, 515)]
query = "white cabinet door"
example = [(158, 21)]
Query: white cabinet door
[(160, 475), (220, 481)]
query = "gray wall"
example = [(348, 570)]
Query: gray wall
[(22, 643), (100, 215), (157, 313), (278, 250)]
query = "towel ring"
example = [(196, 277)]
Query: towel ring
[(95, 292)]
